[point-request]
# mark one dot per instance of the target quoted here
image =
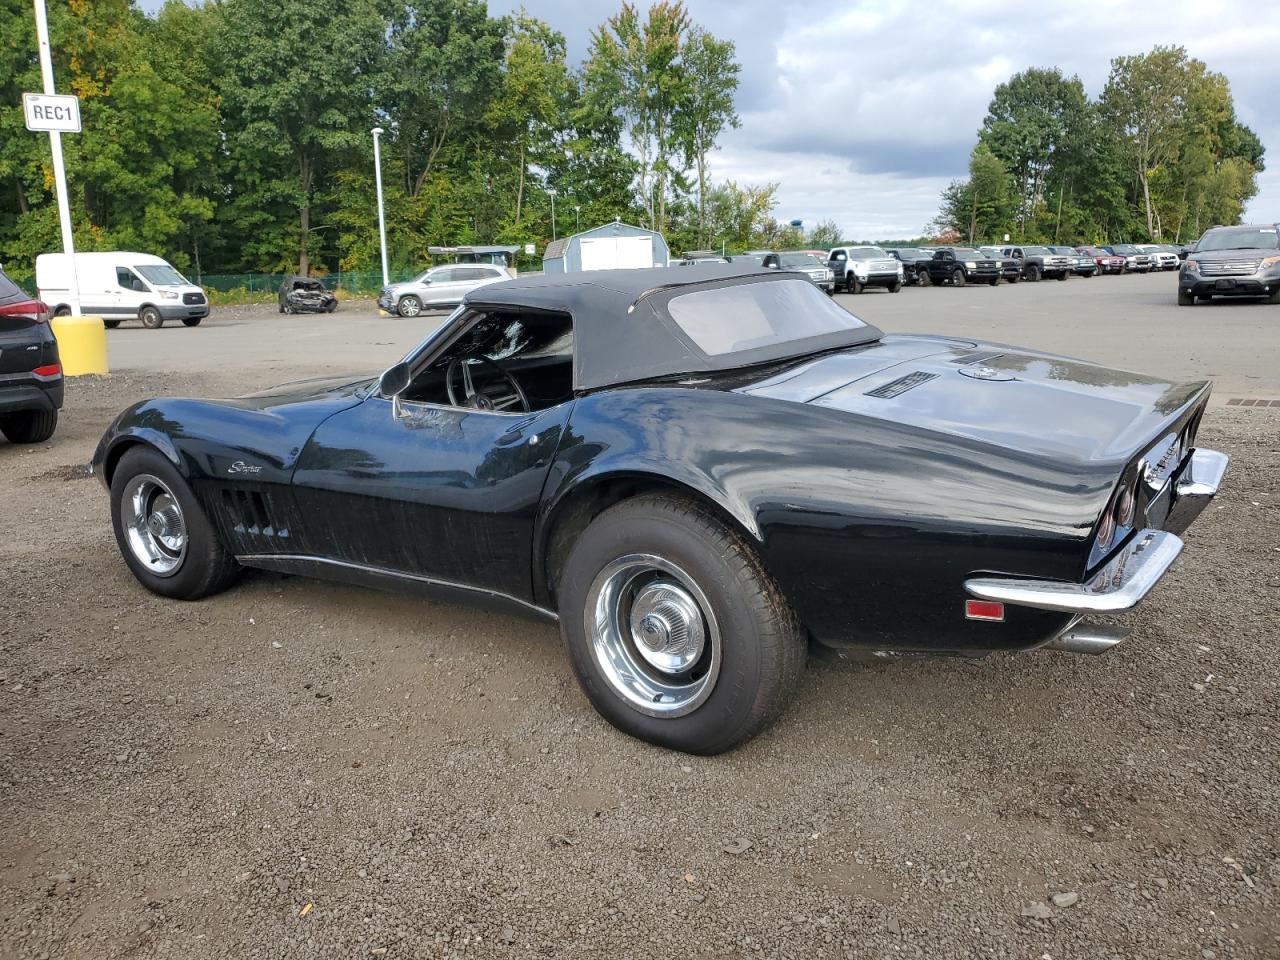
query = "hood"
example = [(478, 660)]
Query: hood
[(1243, 253), (1038, 404)]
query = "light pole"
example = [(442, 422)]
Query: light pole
[(577, 218), (382, 220), (55, 148), (551, 191)]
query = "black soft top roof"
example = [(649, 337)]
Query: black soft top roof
[(623, 331)]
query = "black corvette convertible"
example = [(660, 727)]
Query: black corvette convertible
[(698, 477)]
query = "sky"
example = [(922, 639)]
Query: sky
[(864, 111)]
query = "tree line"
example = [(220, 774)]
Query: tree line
[(234, 136), (1159, 156)]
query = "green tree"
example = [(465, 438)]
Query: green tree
[(295, 94), (824, 235), (1034, 126), (705, 110), (634, 70)]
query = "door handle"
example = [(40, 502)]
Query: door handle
[(512, 437)]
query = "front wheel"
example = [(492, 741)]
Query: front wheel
[(852, 285), (675, 631), (994, 282), (191, 321), (163, 534), (331, 306), (29, 426), (409, 306), (111, 324), (1275, 294), (1063, 275), (1033, 273), (150, 318), (895, 286), (957, 277), (923, 278), (1185, 299)]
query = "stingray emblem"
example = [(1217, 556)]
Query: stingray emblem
[(241, 467)]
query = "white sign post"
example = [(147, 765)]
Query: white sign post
[(57, 116)]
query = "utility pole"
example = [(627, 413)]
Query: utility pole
[(55, 145), (551, 191), (382, 220)]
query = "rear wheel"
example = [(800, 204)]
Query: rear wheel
[(167, 541), (150, 318), (1187, 300), (191, 321), (957, 277), (62, 312), (29, 426), (676, 633), (409, 306)]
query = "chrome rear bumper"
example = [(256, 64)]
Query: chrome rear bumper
[(1130, 574)]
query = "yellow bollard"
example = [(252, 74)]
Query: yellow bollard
[(82, 344)]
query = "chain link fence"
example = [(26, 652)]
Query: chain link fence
[(263, 287)]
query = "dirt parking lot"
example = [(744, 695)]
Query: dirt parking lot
[(297, 769)]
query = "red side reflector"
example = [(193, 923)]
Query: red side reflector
[(48, 370), (983, 610)]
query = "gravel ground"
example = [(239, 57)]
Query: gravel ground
[(295, 769)]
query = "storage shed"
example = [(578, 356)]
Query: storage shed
[(612, 246)]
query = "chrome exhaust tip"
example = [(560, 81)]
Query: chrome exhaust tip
[(1087, 638)]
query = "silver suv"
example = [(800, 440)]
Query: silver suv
[(443, 286)]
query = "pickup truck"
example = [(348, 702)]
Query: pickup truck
[(855, 268), (1010, 268), (1038, 262), (1085, 267), (961, 265), (1135, 261), (913, 261)]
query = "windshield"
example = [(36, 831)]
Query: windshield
[(1064, 250), (866, 253), (967, 253), (799, 260), (1035, 251), (1243, 238), (748, 316), (162, 275), (1127, 249)]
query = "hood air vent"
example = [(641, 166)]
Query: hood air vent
[(900, 386)]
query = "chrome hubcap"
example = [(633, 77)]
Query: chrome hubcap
[(153, 525), (654, 635)]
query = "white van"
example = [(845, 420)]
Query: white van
[(120, 286)]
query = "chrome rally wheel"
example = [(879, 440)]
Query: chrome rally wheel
[(153, 525), (653, 635)]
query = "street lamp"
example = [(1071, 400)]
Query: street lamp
[(577, 218), (551, 191), (382, 220)]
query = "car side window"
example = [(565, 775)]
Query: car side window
[(128, 280), (839, 255), (444, 276)]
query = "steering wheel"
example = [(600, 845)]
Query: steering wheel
[(480, 399)]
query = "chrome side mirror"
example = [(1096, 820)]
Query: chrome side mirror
[(393, 382)]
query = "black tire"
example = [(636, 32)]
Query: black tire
[(287, 309), (1063, 275), (29, 426), (1187, 300), (957, 277), (62, 312), (191, 321), (207, 567), (111, 324), (1013, 279), (763, 646), (409, 306), (1033, 273), (1275, 295), (994, 282), (150, 318), (895, 286), (851, 284), (331, 306), (923, 278)]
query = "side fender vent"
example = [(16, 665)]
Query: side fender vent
[(900, 386), (248, 512)]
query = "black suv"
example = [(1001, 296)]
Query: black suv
[(1239, 261), (30, 371)]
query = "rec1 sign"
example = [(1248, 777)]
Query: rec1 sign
[(51, 112)]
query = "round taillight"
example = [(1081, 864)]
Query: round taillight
[(1106, 529), (1124, 507)]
